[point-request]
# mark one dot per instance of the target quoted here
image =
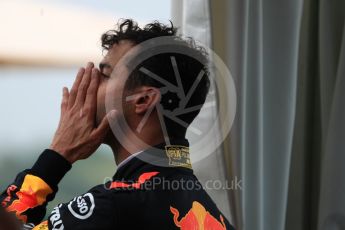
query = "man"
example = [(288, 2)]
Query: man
[(141, 194)]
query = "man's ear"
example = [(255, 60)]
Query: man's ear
[(146, 99)]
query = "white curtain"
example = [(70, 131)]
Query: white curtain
[(263, 57), (261, 52), (192, 17), (331, 211), (287, 142)]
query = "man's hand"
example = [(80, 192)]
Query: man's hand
[(77, 136)]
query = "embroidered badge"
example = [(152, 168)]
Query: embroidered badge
[(178, 156)]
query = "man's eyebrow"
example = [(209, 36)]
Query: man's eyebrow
[(104, 65)]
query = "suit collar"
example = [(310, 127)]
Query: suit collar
[(163, 157)]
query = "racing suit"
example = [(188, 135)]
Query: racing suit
[(156, 189)]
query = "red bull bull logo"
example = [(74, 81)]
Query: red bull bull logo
[(197, 218), (33, 193)]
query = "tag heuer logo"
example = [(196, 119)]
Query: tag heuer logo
[(178, 156)]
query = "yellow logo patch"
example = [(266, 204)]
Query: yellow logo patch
[(178, 156), (42, 226)]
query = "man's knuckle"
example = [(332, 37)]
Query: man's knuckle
[(75, 109)]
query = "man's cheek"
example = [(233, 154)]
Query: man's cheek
[(100, 106), (100, 115)]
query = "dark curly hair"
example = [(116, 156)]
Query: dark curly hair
[(189, 68), (128, 29)]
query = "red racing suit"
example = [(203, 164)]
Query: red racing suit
[(153, 190)]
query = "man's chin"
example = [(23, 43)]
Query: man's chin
[(111, 140)]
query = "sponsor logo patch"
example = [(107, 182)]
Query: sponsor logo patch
[(42, 226), (55, 219), (141, 180), (82, 207), (178, 156)]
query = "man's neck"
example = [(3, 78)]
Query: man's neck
[(122, 152)]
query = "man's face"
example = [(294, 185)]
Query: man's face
[(107, 78)]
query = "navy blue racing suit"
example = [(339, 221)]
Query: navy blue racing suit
[(156, 189)]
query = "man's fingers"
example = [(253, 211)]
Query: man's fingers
[(74, 89), (91, 95), (101, 131), (64, 102), (84, 85)]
